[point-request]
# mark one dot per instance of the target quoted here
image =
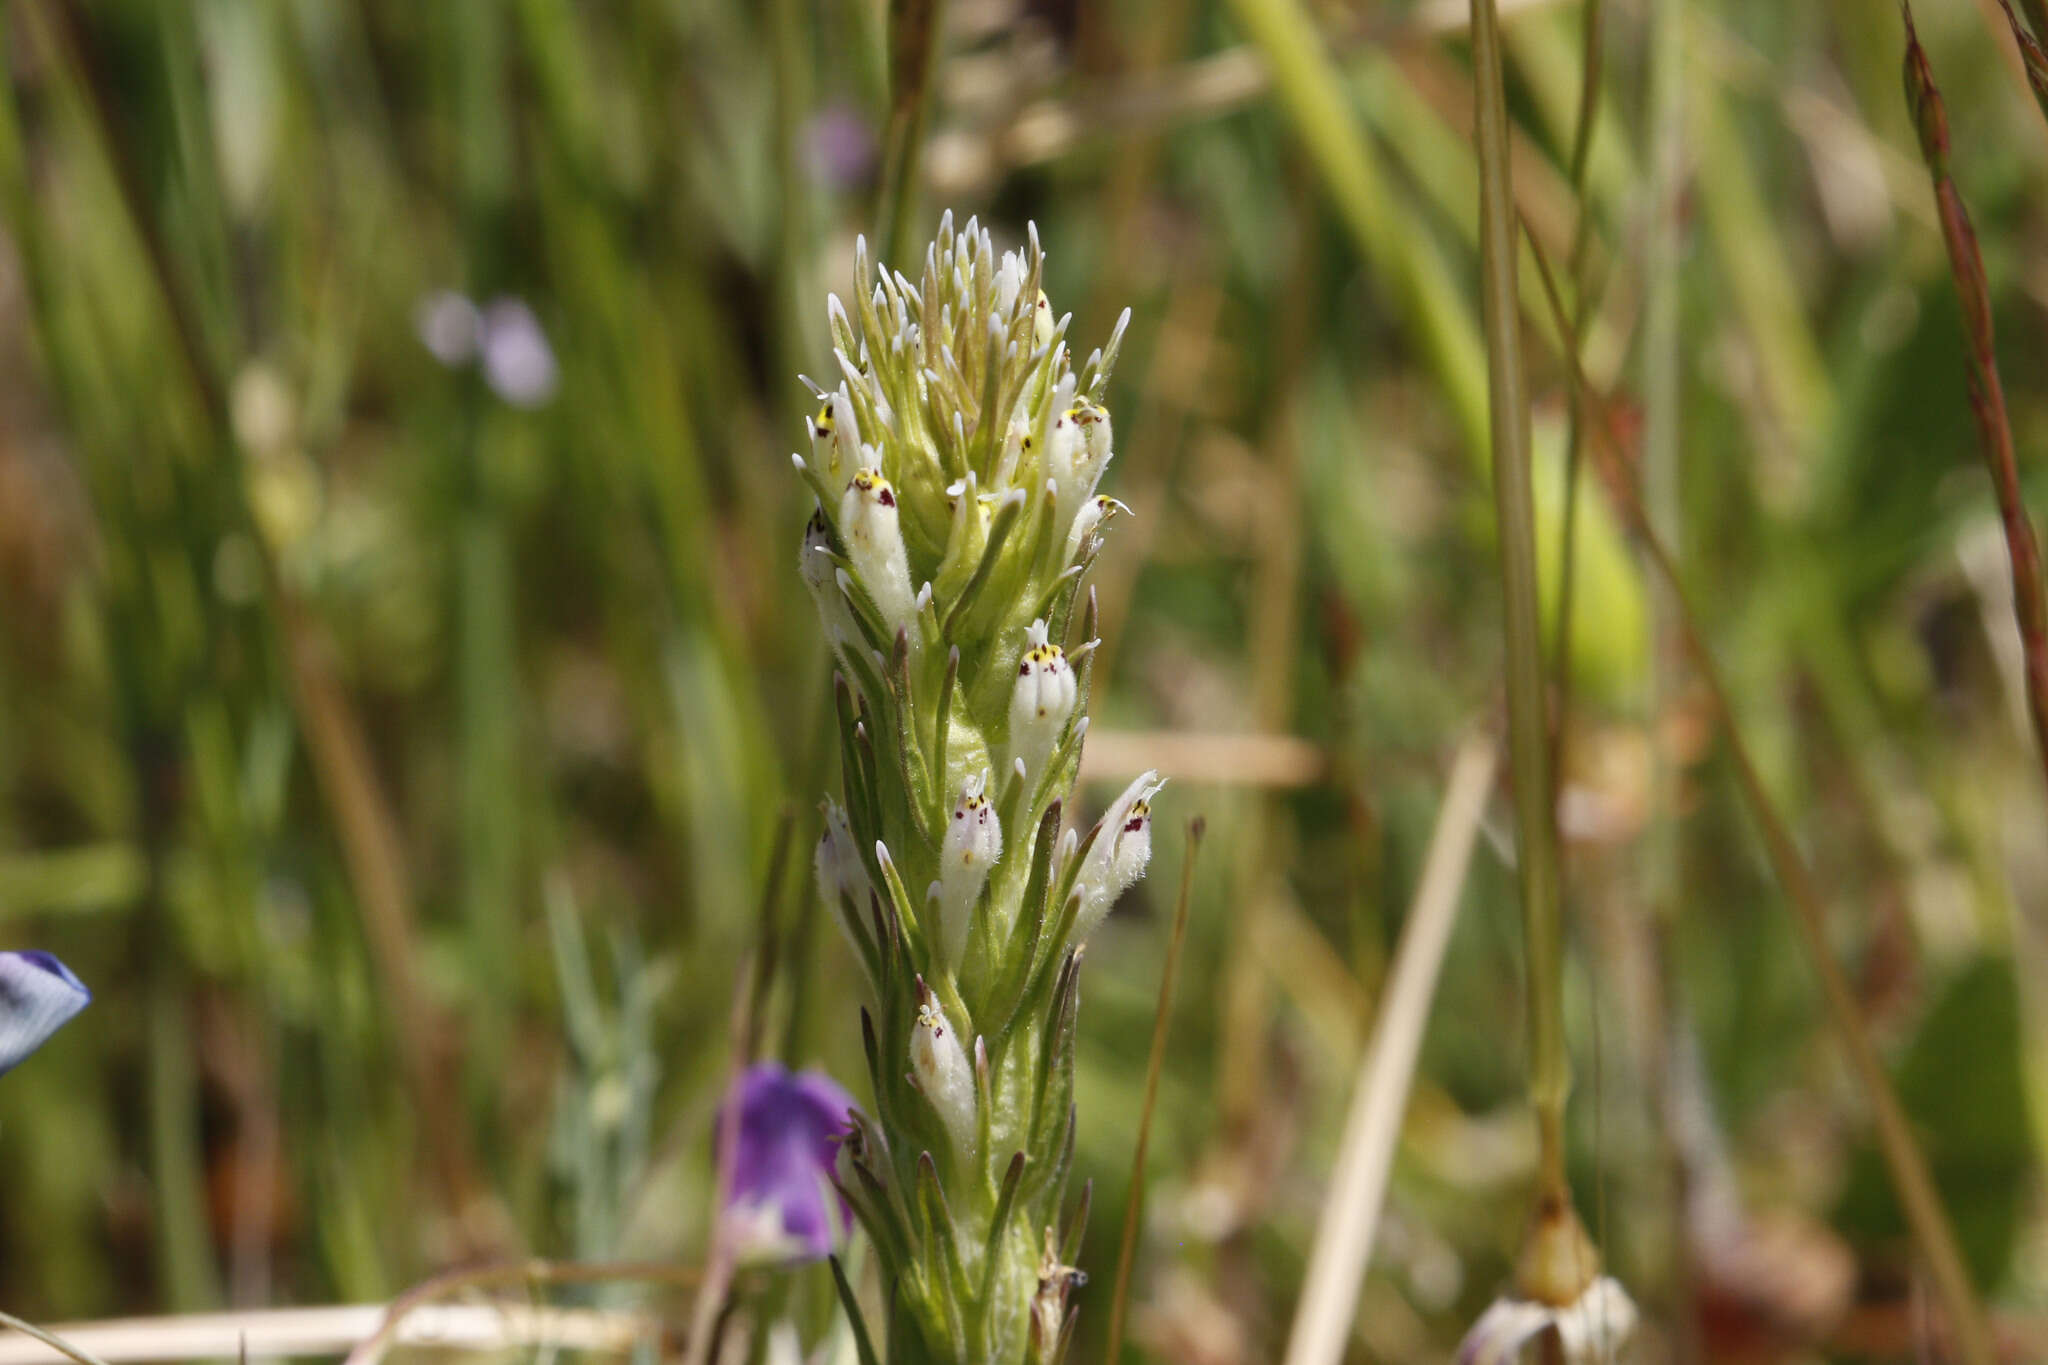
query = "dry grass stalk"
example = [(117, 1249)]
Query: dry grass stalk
[(1358, 1183), (1154, 1064)]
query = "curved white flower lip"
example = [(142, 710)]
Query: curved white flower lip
[(38, 996), (1591, 1329)]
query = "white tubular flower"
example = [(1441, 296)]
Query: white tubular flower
[(874, 542), (1088, 521), (1591, 1329), (974, 841), (1119, 855), (835, 436), (939, 1066), (1042, 700), (815, 564), (1017, 445), (1064, 448), (1091, 420)]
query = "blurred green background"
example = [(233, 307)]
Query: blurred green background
[(398, 747)]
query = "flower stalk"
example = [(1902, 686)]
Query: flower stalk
[(1514, 509), (953, 468)]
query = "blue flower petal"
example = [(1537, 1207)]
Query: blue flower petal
[(781, 1208), (38, 996)]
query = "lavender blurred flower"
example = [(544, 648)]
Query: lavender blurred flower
[(38, 996), (1591, 1329), (781, 1208), (518, 361), (842, 147), (504, 336)]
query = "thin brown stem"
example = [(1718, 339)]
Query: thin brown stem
[(1987, 392), (1162, 1020), (1582, 148), (2033, 58)]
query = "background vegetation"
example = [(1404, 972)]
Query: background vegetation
[(400, 754)]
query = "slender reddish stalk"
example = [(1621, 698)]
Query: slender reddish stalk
[(2033, 58), (1987, 393)]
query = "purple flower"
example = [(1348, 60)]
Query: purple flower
[(781, 1207), (841, 146), (38, 996), (518, 361), (504, 336)]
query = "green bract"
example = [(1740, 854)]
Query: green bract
[(955, 467)]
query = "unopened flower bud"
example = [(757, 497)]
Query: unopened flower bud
[(1064, 448), (1009, 284), (843, 884), (939, 1066), (1042, 700), (814, 562), (1121, 851), (974, 841), (874, 542), (1041, 320)]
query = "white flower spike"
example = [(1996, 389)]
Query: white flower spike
[(956, 410)]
